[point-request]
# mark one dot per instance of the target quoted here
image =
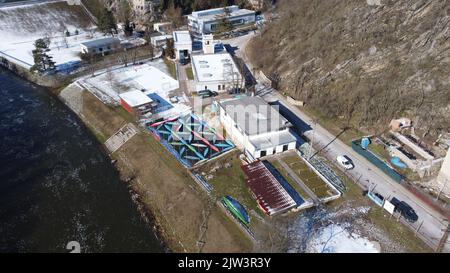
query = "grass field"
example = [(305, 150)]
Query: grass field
[(231, 181), (189, 73), (171, 67), (308, 176), (289, 179)]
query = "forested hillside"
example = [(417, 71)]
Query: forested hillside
[(363, 62)]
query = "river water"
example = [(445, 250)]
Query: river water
[(56, 184)]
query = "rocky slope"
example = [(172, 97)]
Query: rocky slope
[(364, 62)]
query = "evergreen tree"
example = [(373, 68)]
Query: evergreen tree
[(42, 61), (107, 22), (127, 28)]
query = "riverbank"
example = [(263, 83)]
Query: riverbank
[(162, 185)]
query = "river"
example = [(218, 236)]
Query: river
[(56, 183)]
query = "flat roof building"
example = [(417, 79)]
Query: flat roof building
[(182, 44), (216, 72), (256, 127), (160, 41), (208, 21), (100, 46), (136, 102)]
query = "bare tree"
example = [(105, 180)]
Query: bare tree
[(109, 75), (123, 57), (151, 51), (134, 56), (64, 41)]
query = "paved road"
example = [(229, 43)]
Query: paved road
[(370, 176), (431, 223)]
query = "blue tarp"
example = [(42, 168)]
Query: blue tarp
[(365, 141), (398, 163), (163, 105)]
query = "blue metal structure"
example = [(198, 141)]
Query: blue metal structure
[(190, 139)]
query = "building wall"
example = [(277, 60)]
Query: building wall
[(104, 49), (126, 106), (213, 86), (445, 170), (233, 132)]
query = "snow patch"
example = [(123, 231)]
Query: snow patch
[(336, 239)]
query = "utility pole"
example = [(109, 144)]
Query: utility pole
[(331, 141), (312, 139)]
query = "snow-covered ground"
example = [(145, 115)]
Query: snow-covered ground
[(21, 25), (151, 78), (343, 229), (337, 239)]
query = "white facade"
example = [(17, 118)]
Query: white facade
[(207, 21), (182, 44), (444, 173), (208, 44), (162, 28), (277, 138), (100, 46), (216, 72), (160, 41)]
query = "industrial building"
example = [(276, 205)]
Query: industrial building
[(182, 44), (256, 127), (216, 72), (136, 102), (100, 46), (208, 21)]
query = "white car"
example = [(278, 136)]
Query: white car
[(345, 161)]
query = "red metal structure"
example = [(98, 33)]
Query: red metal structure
[(272, 198)]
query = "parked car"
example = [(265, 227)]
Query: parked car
[(405, 210), (345, 162), (207, 93)]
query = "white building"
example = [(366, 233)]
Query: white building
[(100, 46), (162, 28), (207, 21), (256, 127), (160, 41), (182, 44), (136, 102), (216, 72)]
